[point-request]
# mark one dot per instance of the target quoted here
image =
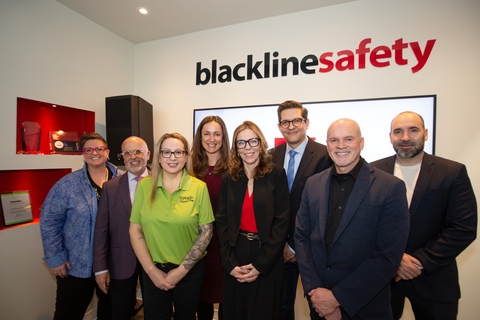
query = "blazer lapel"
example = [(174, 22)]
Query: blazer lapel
[(304, 162), (279, 155), (240, 188), (124, 192), (361, 187), (323, 200), (427, 170)]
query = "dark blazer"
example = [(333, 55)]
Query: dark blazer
[(315, 159), (271, 207), (112, 248), (368, 245), (443, 222)]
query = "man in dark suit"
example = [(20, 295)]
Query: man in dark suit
[(351, 232), (443, 222), (309, 157), (114, 263)]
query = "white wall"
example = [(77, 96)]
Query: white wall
[(52, 54), (165, 76)]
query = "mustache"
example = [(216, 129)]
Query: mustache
[(134, 160)]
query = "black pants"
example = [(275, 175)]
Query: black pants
[(206, 311), (184, 297), (74, 295), (423, 309), (124, 294)]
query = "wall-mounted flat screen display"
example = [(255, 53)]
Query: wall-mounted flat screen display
[(373, 115)]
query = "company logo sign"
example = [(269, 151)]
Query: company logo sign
[(274, 66)]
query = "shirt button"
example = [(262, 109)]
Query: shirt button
[(328, 267), (340, 207)]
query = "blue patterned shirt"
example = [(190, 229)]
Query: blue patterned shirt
[(67, 222)]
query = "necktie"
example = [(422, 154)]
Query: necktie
[(138, 180), (291, 169)]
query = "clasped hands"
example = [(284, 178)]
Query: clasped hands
[(409, 269), (325, 304), (246, 273), (167, 281)]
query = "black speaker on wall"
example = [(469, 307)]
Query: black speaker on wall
[(128, 116)]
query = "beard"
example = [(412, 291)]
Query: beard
[(416, 149), (134, 170)]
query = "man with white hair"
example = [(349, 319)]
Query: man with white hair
[(114, 263)]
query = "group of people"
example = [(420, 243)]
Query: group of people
[(238, 225)]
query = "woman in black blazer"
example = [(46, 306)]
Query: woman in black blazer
[(252, 223)]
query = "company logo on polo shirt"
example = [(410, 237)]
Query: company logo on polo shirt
[(343, 60), (186, 199)]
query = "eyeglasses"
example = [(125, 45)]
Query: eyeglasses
[(241, 144), (177, 153), (296, 122), (90, 150), (128, 153)]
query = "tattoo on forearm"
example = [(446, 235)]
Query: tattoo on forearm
[(141, 237), (205, 233)]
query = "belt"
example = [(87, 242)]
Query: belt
[(168, 265), (252, 236)]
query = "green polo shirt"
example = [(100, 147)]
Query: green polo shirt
[(170, 223)]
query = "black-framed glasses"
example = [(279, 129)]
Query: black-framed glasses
[(90, 150), (296, 122), (128, 153), (177, 153), (241, 144)]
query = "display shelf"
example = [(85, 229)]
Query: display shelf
[(40, 126), (37, 182)]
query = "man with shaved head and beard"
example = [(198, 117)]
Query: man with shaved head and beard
[(443, 222), (351, 232), (114, 263)]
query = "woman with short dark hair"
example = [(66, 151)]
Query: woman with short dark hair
[(67, 224)]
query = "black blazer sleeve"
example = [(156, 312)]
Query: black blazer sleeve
[(223, 223), (456, 207)]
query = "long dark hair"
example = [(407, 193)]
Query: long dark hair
[(200, 157)]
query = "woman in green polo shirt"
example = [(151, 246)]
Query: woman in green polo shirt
[(171, 226)]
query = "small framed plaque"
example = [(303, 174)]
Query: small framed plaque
[(16, 208), (64, 142)]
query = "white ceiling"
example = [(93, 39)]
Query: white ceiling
[(169, 18)]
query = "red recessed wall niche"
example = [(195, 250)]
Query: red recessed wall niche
[(37, 182), (41, 118)]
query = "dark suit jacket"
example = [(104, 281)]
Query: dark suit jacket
[(443, 222), (368, 245), (315, 159), (271, 207), (112, 248)]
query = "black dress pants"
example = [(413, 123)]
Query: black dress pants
[(75, 294), (124, 294), (424, 309), (184, 297)]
